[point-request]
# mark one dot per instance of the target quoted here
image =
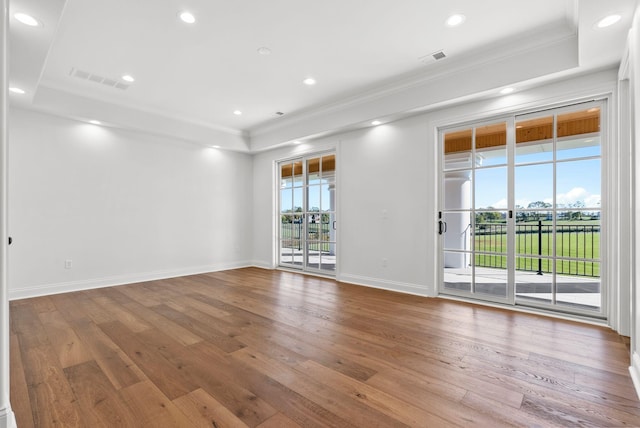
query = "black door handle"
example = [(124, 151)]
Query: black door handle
[(10, 240), (442, 227)]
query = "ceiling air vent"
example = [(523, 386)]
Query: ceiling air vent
[(85, 75), (438, 55), (435, 56)]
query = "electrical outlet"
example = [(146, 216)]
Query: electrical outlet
[(68, 264)]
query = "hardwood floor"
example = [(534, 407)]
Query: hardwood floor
[(254, 347)]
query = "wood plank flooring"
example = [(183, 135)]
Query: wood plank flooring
[(260, 348)]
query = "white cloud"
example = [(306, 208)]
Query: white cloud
[(564, 199), (578, 194), (502, 203)]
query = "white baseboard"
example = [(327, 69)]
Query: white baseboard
[(7, 418), (634, 369), (262, 265), (402, 287), (87, 284)]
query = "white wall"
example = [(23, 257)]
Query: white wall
[(122, 205), (386, 194), (634, 78), (382, 204)]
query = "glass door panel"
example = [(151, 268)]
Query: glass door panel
[(474, 222), (521, 210), (558, 208), (307, 233)]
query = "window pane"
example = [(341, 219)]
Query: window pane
[(491, 145), (328, 165), (297, 174), (579, 122), (492, 281), (457, 149), (579, 134), (458, 234), (286, 200), (325, 198), (457, 190), (313, 171), (534, 140), (313, 254), (289, 232), (314, 198), (534, 279), (578, 234), (490, 234), (297, 199), (457, 271), (534, 233), (578, 147), (578, 184), (578, 284), (491, 188), (286, 252), (534, 186)]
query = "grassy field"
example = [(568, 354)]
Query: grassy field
[(576, 243)]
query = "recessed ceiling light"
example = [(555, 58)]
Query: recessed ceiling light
[(297, 142), (455, 20), (310, 81), (215, 147), (376, 123), (187, 17), (264, 50), (17, 90), (237, 112), (95, 122), (506, 91), (608, 20), (128, 78), (27, 19)]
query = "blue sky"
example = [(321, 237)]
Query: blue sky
[(576, 181)]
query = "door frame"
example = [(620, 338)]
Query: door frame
[(303, 157), (608, 144)]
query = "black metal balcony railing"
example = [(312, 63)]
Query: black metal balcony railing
[(318, 235), (577, 247)]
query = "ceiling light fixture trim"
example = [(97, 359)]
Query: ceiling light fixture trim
[(187, 17), (609, 20), (455, 20), (27, 19)]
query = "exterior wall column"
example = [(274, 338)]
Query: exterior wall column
[(458, 236)]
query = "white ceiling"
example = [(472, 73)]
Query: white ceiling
[(199, 74)]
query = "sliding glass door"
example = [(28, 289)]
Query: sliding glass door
[(307, 213), (520, 210)]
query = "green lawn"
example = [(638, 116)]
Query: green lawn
[(576, 241)]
